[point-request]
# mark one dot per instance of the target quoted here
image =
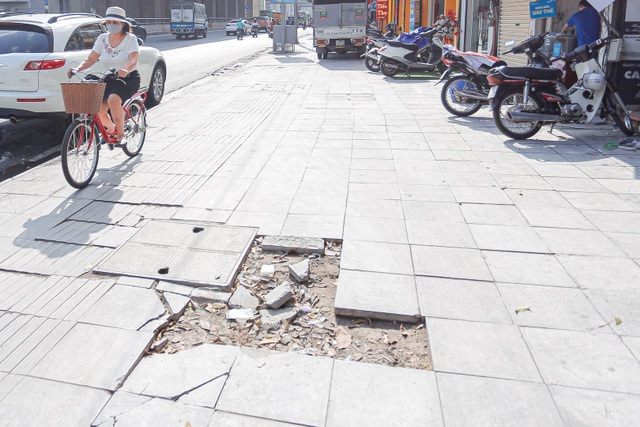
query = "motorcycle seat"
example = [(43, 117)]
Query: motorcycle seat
[(412, 47), (531, 72)]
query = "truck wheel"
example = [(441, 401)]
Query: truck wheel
[(179, 36), (319, 55)]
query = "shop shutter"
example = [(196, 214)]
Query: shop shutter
[(514, 25)]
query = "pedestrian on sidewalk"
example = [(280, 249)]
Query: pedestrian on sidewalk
[(587, 23)]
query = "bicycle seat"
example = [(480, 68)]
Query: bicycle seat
[(531, 72)]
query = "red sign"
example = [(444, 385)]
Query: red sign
[(382, 9)]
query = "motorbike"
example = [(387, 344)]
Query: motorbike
[(423, 55), (375, 40), (239, 33), (523, 99), (254, 31)]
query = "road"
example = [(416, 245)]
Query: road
[(29, 143)]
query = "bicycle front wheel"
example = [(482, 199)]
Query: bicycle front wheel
[(135, 128), (80, 153)]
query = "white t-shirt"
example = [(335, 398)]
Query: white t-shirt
[(115, 57)]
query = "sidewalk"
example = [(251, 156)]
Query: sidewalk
[(443, 220)]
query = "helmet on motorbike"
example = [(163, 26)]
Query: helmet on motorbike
[(593, 81)]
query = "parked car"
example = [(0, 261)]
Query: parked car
[(36, 50), (137, 29), (232, 26)]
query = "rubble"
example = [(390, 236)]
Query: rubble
[(242, 298), (271, 317), (207, 295), (239, 314), (277, 297), (300, 245), (300, 271)]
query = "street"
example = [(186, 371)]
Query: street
[(29, 143)]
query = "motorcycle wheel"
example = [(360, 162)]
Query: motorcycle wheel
[(371, 65), (511, 99), (386, 70), (619, 114), (449, 101)]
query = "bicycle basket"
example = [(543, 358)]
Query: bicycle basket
[(82, 98)]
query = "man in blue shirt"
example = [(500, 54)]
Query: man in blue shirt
[(587, 23)]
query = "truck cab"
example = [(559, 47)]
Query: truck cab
[(339, 26)]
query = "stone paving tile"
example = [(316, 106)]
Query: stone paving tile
[(524, 182), (437, 233), (377, 295), (623, 222), (133, 410), (471, 400), (492, 214), (583, 359), (172, 375), (378, 257), (375, 229), (507, 238), (580, 407), (125, 307), (385, 387), (579, 242), (628, 242), (324, 226), (374, 191), (527, 268), (318, 204), (552, 307), (484, 349), (281, 376), (486, 195), (459, 263), (227, 419), (94, 356), (537, 198), (38, 402), (431, 211), (623, 305), (634, 345), (597, 201), (374, 208), (426, 193), (615, 274), (22, 361), (474, 300), (267, 223), (556, 217)]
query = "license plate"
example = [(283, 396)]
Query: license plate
[(339, 42), (492, 92)]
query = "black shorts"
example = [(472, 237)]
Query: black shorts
[(123, 87)]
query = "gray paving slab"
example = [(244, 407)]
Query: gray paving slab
[(607, 273), (28, 358), (507, 238), (623, 305), (306, 225), (385, 387), (580, 407), (377, 295), (552, 307), (135, 281), (579, 242), (206, 395), (583, 359), (527, 268), (481, 401), (483, 349), (374, 208), (459, 263), (375, 256), (125, 307), (227, 419), (94, 356), (13, 342), (38, 402), (492, 214), (133, 410), (474, 300), (432, 211), (280, 375), (634, 345), (537, 198), (384, 230), (90, 291), (437, 233), (172, 375)]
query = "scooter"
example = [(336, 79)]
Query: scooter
[(239, 33), (254, 31), (524, 98), (375, 40), (424, 55)]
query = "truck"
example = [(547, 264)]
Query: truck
[(270, 13), (339, 26), (188, 19)]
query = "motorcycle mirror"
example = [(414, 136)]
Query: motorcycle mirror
[(510, 43)]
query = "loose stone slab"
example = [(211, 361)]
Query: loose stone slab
[(38, 402), (243, 298), (94, 356), (125, 307), (240, 314), (300, 245), (195, 254), (207, 295), (177, 303), (469, 400), (132, 410), (278, 296), (280, 376), (171, 375), (385, 387), (300, 271), (270, 317)]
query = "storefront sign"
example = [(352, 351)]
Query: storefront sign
[(412, 17), (382, 9), (542, 9), (629, 82)]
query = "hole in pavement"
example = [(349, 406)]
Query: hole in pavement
[(163, 270), (305, 323), (198, 229)]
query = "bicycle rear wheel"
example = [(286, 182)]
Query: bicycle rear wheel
[(80, 153), (135, 128)]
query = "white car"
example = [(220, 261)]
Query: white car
[(232, 26), (36, 50)]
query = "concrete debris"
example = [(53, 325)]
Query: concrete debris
[(243, 298), (177, 304), (208, 295), (279, 296), (301, 245), (271, 317), (268, 270), (240, 314), (300, 271), (159, 345)]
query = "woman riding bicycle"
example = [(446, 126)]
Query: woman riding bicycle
[(117, 49)]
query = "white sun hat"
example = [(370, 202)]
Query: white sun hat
[(115, 13)]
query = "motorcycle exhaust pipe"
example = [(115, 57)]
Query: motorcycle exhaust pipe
[(521, 116), (15, 120), (471, 95)]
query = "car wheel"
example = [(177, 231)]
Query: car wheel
[(228, 33), (156, 87)]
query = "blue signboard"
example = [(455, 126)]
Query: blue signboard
[(542, 9)]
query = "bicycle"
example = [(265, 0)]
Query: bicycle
[(86, 134)]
